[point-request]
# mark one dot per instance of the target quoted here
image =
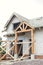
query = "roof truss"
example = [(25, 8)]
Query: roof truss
[(23, 26)]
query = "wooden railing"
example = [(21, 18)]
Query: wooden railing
[(6, 53)]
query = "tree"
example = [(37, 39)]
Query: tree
[(3, 52)]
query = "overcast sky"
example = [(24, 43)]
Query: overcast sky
[(27, 8)]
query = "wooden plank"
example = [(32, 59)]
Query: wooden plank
[(2, 57), (15, 43), (11, 55), (28, 25), (23, 42), (32, 37), (23, 26), (23, 31), (7, 41), (6, 52), (19, 26)]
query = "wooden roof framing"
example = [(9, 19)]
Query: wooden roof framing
[(23, 27)]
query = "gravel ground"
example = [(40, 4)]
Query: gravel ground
[(24, 62)]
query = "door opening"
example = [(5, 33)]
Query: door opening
[(20, 50)]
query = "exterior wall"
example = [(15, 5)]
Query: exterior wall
[(26, 46), (9, 39), (10, 28), (38, 39), (25, 38)]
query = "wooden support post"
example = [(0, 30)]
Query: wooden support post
[(23, 26), (32, 37), (15, 46)]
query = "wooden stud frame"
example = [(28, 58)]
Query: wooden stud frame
[(7, 52), (32, 37), (27, 30), (23, 23), (15, 45)]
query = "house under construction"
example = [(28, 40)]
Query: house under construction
[(24, 38)]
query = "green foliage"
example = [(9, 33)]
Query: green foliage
[(0, 48), (3, 52)]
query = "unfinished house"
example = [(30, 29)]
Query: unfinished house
[(25, 36)]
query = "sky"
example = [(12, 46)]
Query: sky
[(27, 8)]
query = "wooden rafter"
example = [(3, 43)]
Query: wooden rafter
[(24, 28), (28, 25), (18, 27), (23, 25)]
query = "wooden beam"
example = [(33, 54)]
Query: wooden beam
[(28, 25), (23, 42), (10, 55), (7, 41), (23, 31), (6, 52), (32, 37), (23, 25), (18, 26), (2, 57), (15, 43)]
